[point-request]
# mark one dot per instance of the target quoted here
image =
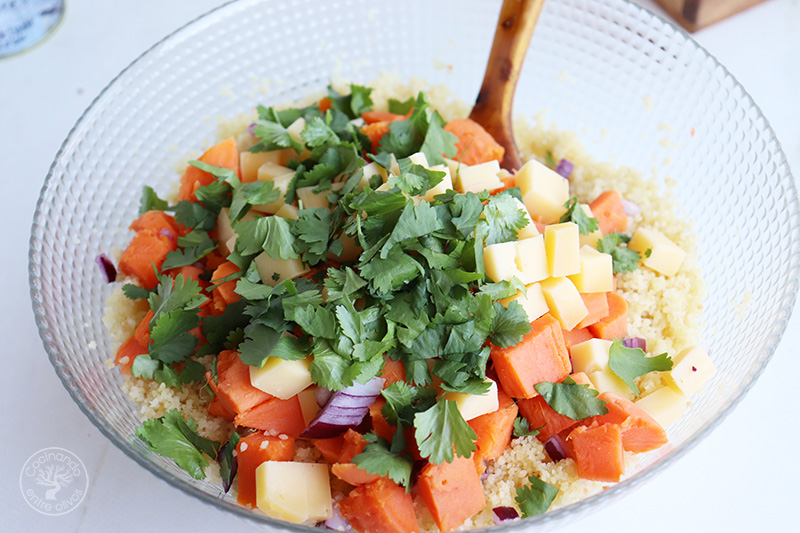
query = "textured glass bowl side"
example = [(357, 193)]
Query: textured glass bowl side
[(592, 65)]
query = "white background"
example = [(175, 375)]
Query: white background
[(743, 477)]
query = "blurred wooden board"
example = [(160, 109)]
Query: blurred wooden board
[(697, 14)]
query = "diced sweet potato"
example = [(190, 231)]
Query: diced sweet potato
[(609, 212), (576, 335), (380, 507), (253, 450), (475, 145), (640, 431), (540, 356), (393, 371), (224, 291), (233, 388), (597, 305), (597, 451), (371, 117), (224, 154), (615, 324), (147, 249), (352, 474), (452, 492), (494, 433), (541, 416), (275, 415), (127, 353)]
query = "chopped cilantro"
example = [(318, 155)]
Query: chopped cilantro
[(134, 292), (378, 458), (510, 324), (522, 428), (150, 201), (630, 363), (616, 245), (576, 214), (572, 400), (504, 219), (440, 429), (536, 497), (228, 463), (401, 107)]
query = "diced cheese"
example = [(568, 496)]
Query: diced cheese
[(500, 261), (281, 177), (531, 259), (350, 251), (597, 272), (314, 199), (225, 232), (479, 177), (455, 167), (530, 229), (607, 381), (544, 192), (250, 162), (295, 129), (665, 257), (229, 245), (532, 301), (419, 159), (285, 268), (295, 492), (281, 378), (691, 369), (474, 405), (308, 404), (287, 211), (563, 249), (590, 356), (666, 405), (564, 301), (593, 237), (440, 188), (369, 170)]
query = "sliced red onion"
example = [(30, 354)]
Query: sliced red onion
[(251, 129), (228, 462), (556, 448), (565, 168), (322, 395), (635, 342), (167, 233), (504, 514), (337, 522), (107, 267), (198, 264), (344, 410), (631, 208)]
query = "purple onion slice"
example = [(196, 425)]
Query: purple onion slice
[(251, 128), (565, 168), (166, 232), (635, 342), (556, 448), (504, 514), (344, 410), (107, 267), (337, 522), (631, 208)]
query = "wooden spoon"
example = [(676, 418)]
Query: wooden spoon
[(493, 105)]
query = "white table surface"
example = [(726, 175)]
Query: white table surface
[(741, 478)]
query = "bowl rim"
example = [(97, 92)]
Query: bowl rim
[(611, 493)]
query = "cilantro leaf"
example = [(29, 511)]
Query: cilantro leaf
[(441, 428), (170, 340), (228, 463), (438, 141), (317, 133), (221, 173), (576, 214), (509, 325), (415, 221), (630, 363), (254, 193), (173, 436), (274, 136), (624, 259), (387, 274), (134, 292), (272, 235), (195, 245), (312, 230), (316, 321), (377, 458), (536, 497), (180, 293), (504, 218), (329, 369), (404, 401), (522, 428), (353, 104), (572, 400), (194, 215), (401, 107), (150, 201)]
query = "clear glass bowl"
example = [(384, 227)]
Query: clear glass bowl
[(607, 69)]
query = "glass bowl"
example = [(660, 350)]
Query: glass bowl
[(607, 69)]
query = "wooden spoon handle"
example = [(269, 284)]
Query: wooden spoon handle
[(493, 105)]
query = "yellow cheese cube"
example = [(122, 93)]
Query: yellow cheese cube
[(590, 356), (474, 405), (666, 405), (593, 237), (455, 167), (665, 256), (531, 259), (281, 378), (544, 192), (281, 177), (312, 199), (284, 268), (229, 245), (532, 301), (295, 129), (597, 272), (244, 141), (419, 159), (250, 162), (691, 369), (308, 404), (225, 231), (530, 229), (479, 177), (350, 251), (607, 381), (295, 492), (287, 211), (369, 170), (563, 249), (440, 188), (500, 261), (564, 301)]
